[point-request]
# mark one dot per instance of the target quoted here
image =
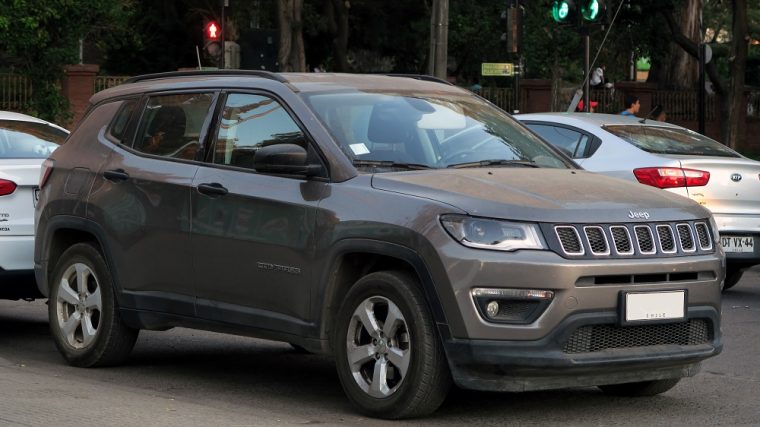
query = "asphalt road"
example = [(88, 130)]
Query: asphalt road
[(184, 377)]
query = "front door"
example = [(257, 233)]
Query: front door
[(253, 234)]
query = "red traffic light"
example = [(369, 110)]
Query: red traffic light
[(211, 31)]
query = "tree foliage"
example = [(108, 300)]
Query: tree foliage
[(40, 36)]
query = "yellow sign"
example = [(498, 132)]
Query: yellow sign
[(497, 69)]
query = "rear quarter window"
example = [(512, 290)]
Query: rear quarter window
[(664, 140), (28, 140)]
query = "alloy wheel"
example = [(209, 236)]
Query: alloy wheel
[(79, 305)]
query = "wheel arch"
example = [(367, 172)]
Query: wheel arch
[(61, 233), (352, 259)]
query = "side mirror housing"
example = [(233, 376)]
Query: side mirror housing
[(284, 159)]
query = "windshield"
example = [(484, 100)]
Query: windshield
[(422, 130), (27, 140), (662, 140)]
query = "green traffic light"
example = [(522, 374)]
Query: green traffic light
[(590, 10), (560, 10)]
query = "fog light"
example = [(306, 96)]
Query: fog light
[(516, 306), (492, 309)]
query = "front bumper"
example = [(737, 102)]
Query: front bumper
[(546, 363)]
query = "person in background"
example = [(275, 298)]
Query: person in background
[(632, 105), (597, 77), (661, 116)]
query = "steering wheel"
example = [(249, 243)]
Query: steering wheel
[(460, 156)]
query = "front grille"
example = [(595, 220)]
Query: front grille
[(685, 237), (570, 240), (595, 338), (626, 240), (644, 239), (705, 242)]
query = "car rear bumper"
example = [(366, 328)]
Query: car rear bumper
[(16, 253), (741, 225), (559, 360)]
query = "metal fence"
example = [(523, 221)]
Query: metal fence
[(105, 82), (15, 92), (504, 98), (682, 105)]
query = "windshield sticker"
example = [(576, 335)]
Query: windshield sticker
[(359, 149)]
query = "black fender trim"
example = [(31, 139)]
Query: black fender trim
[(323, 299)]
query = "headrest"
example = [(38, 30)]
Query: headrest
[(392, 123)]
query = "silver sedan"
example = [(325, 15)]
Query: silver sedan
[(673, 158)]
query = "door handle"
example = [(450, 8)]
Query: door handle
[(116, 175), (212, 189)]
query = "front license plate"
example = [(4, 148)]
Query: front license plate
[(652, 306), (737, 244)]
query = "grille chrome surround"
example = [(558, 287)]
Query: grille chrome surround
[(597, 240), (686, 238), (568, 237), (704, 237), (630, 240), (645, 240), (596, 338), (665, 239), (622, 239)]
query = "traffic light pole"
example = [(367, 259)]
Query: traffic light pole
[(701, 92), (221, 26), (586, 68)]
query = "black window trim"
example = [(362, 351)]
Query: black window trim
[(592, 145), (214, 132), (204, 131)]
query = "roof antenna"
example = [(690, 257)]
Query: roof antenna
[(654, 113)]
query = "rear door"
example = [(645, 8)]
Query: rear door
[(144, 197)]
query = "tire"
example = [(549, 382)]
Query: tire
[(298, 349), (640, 389), (409, 348), (84, 320), (733, 275)]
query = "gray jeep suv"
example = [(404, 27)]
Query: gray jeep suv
[(409, 228)]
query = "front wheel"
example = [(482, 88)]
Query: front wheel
[(733, 275), (640, 389), (389, 358), (84, 317)]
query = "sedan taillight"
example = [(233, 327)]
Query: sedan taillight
[(7, 187), (672, 177), (45, 171)]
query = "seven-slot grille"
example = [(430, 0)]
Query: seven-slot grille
[(637, 239)]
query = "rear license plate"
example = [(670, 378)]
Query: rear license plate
[(653, 306), (737, 244)]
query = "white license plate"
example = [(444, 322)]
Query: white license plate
[(655, 305), (738, 244)]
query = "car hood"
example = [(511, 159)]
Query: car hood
[(542, 195)]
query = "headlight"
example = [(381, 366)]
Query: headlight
[(493, 234)]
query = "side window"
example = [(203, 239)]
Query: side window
[(571, 142), (171, 125), (250, 122), (118, 126)]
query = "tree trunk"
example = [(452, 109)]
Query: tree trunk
[(736, 103), (682, 71), (291, 54), (337, 17)]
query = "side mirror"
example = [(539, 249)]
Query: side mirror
[(284, 159)]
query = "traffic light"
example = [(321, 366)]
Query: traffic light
[(578, 12), (212, 41), (563, 11), (510, 24)]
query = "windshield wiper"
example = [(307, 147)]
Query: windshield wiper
[(487, 163), (390, 164)]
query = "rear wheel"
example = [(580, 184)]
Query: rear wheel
[(389, 358), (84, 317), (733, 275), (640, 389)]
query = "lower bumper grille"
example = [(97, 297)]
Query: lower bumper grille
[(594, 338)]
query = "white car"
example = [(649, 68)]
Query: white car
[(25, 142), (673, 158)]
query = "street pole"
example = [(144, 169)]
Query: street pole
[(701, 91), (221, 28), (586, 68), (442, 36)]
